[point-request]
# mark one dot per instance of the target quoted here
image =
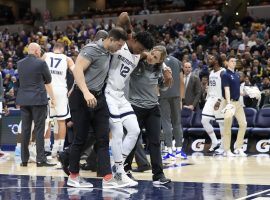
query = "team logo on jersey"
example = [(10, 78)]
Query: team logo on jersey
[(198, 145), (263, 146)]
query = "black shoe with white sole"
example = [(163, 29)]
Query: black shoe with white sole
[(162, 181), (212, 149)]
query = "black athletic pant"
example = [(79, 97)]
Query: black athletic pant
[(150, 119), (98, 118)]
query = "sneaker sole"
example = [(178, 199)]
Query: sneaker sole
[(160, 183), (76, 186), (133, 184), (115, 186)]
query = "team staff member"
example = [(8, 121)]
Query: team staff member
[(35, 78), (91, 69), (143, 96), (231, 93)]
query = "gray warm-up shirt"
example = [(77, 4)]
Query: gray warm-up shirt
[(97, 72), (174, 90), (143, 85)]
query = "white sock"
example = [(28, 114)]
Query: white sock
[(56, 144), (119, 167), (178, 149), (47, 144), (213, 139), (170, 150), (61, 144)]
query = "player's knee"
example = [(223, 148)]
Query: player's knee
[(206, 124), (116, 141), (243, 124), (205, 121)]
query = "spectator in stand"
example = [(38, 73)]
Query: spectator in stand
[(194, 61), (204, 86), (10, 99), (192, 88), (265, 89)]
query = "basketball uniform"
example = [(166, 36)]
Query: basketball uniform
[(57, 64), (214, 92)]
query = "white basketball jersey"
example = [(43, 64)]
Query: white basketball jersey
[(122, 64), (57, 64), (215, 86)]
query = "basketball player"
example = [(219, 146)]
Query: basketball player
[(122, 115), (58, 64), (213, 106)]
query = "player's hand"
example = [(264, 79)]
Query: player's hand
[(90, 99), (191, 107), (217, 105), (168, 79), (69, 124)]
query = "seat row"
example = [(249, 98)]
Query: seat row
[(258, 123)]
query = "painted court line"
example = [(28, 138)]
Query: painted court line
[(251, 195)]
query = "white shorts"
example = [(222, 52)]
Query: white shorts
[(210, 112), (61, 111), (118, 105)]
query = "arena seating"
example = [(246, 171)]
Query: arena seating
[(258, 129)]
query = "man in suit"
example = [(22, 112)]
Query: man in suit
[(192, 88), (35, 79)]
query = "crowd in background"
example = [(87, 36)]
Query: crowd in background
[(191, 41)]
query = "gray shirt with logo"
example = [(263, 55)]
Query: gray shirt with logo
[(97, 72), (143, 85)]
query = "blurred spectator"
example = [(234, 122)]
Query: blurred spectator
[(204, 86), (10, 99)]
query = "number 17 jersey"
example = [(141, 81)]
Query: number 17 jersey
[(121, 66), (57, 64)]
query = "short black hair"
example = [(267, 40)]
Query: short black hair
[(218, 59), (118, 33), (146, 39)]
